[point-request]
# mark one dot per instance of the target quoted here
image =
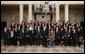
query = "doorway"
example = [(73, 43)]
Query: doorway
[(3, 24)]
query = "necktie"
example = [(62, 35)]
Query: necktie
[(38, 31), (32, 31)]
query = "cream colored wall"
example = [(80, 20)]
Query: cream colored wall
[(9, 14), (76, 15)]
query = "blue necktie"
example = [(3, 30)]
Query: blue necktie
[(38, 31), (32, 31)]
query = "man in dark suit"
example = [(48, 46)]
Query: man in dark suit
[(41, 33), (44, 36), (74, 35), (69, 35), (38, 32), (57, 37), (15, 36), (66, 37), (5, 36), (27, 37), (22, 34), (71, 39), (81, 34), (9, 37), (61, 36), (78, 38), (18, 36), (32, 36), (35, 35)]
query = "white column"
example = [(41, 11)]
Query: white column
[(57, 13), (29, 12), (66, 12), (20, 13)]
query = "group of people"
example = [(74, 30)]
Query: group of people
[(38, 33)]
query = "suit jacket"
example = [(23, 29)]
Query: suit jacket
[(22, 34), (27, 33), (41, 29), (61, 34), (38, 33), (44, 34), (18, 33), (78, 34), (31, 33), (9, 33), (66, 33), (82, 32), (5, 34), (56, 34), (74, 35), (15, 34)]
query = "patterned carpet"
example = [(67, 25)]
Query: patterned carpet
[(40, 49)]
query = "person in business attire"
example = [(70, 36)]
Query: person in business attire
[(35, 35), (5, 36), (27, 36), (15, 36), (71, 37), (18, 36), (38, 32), (41, 34), (22, 37), (32, 36), (61, 36), (9, 36), (74, 35), (57, 37), (47, 29), (78, 38), (44, 36), (69, 34), (81, 34), (66, 37)]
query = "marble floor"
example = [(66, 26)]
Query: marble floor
[(40, 49)]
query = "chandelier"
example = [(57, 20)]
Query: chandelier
[(44, 7)]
